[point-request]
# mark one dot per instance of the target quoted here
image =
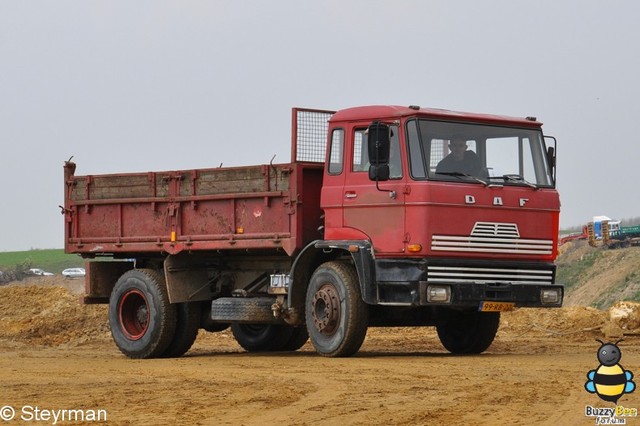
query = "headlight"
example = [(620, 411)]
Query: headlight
[(551, 296), (438, 294)]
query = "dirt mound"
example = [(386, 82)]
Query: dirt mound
[(573, 251), (626, 315), (573, 323), (74, 285), (596, 276), (49, 316)]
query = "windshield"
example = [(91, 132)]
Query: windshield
[(477, 153)]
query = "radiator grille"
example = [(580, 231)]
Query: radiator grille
[(457, 274), (493, 229), (491, 237)]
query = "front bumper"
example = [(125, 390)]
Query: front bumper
[(472, 294), (468, 284)]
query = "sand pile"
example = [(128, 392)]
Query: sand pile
[(49, 316)]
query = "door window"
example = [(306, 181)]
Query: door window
[(336, 152)]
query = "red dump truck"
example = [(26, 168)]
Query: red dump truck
[(385, 216)]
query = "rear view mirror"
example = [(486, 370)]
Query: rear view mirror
[(378, 143), (551, 156), (379, 146), (552, 153), (379, 172)]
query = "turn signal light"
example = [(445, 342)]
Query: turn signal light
[(414, 248)]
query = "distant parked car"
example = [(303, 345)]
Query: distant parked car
[(39, 272), (73, 272)]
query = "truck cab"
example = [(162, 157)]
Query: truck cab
[(442, 241)]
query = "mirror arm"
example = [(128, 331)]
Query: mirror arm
[(392, 194)]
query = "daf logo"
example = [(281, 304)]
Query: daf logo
[(497, 201)]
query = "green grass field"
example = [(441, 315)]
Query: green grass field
[(52, 260)]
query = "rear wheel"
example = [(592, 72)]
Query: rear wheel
[(336, 316), (299, 337), (262, 337), (468, 332), (205, 319), (142, 320), (187, 325)]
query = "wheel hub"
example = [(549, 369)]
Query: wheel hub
[(142, 315), (326, 309), (133, 314)]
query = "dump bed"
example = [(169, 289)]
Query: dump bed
[(272, 206)]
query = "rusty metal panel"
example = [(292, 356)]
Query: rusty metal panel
[(269, 206), (250, 179), (187, 279), (101, 277)]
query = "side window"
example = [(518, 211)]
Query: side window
[(527, 164), (336, 153), (395, 157), (416, 160), (360, 152)]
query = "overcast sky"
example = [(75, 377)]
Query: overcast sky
[(158, 85)]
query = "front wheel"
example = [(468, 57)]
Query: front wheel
[(142, 320), (337, 318), (468, 332)]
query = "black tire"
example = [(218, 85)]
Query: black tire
[(214, 327), (299, 337), (337, 318), (187, 325), (261, 337), (142, 320), (468, 332), (205, 319)]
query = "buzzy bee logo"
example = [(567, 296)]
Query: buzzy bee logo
[(610, 381)]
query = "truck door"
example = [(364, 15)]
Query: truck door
[(380, 214)]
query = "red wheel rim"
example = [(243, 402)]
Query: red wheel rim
[(133, 314)]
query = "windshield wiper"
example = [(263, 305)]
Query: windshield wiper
[(518, 179), (460, 174)]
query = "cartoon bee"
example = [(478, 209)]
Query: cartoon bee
[(609, 381)]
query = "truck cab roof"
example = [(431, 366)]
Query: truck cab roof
[(396, 112)]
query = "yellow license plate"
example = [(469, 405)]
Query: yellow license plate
[(497, 306)]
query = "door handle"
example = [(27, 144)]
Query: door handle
[(350, 194)]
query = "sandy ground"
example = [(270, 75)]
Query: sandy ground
[(56, 354)]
